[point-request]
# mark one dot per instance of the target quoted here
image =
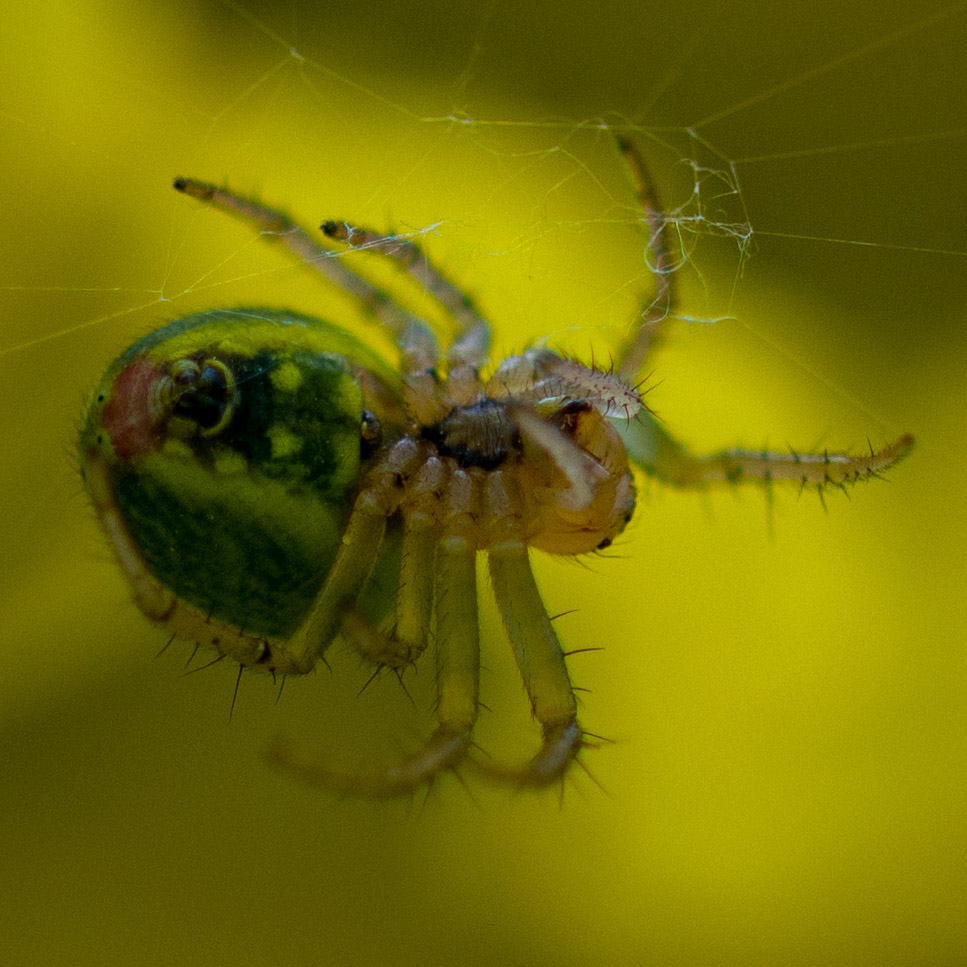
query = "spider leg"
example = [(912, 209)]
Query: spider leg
[(542, 667), (664, 299), (653, 449), (345, 580), (458, 663), (472, 341), (358, 552), (416, 340), (407, 640)]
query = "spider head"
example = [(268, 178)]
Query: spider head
[(544, 426)]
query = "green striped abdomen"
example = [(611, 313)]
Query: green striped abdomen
[(233, 445)]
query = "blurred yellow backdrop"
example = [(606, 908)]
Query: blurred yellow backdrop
[(787, 688)]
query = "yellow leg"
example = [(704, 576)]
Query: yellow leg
[(653, 449), (346, 578), (458, 662), (407, 640), (542, 667), (275, 225), (472, 342)]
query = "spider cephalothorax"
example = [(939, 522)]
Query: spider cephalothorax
[(269, 484)]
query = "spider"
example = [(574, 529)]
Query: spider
[(269, 484)]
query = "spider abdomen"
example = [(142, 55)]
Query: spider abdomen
[(230, 445)]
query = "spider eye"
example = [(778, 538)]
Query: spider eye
[(202, 392)]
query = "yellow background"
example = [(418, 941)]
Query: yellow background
[(787, 691)]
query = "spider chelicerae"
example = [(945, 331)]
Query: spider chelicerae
[(269, 483)]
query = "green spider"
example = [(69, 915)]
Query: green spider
[(264, 478)]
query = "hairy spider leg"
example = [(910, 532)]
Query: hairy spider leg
[(659, 454), (655, 450), (471, 344), (542, 667)]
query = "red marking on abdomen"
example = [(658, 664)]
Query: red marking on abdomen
[(128, 418)]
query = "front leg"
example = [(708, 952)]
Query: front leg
[(656, 452)]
